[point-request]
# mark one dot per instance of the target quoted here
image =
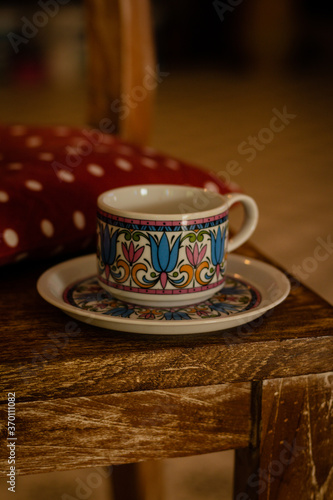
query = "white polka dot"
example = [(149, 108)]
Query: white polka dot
[(46, 156), (4, 196), (171, 163), (33, 185), (211, 186), (21, 256), (125, 150), (65, 176), (79, 219), (148, 162), (47, 228), (61, 131), (10, 238), (96, 170), (18, 130), (33, 141), (123, 164), (14, 166)]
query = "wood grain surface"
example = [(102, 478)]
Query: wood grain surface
[(86, 396), (293, 457), (103, 32), (121, 67), (45, 354), (297, 436), (138, 481), (122, 428)]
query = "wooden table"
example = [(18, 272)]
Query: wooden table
[(88, 397)]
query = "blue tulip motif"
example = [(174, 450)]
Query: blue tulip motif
[(164, 259), (217, 250), (108, 245), (223, 308), (108, 248), (176, 315), (123, 311)]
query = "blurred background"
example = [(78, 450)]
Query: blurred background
[(232, 68), (238, 36)]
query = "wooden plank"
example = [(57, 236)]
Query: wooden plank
[(296, 444), (109, 372), (140, 76), (63, 434), (103, 35), (126, 483), (138, 481), (247, 460), (121, 67), (45, 354)]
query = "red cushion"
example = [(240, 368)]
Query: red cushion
[(51, 178)]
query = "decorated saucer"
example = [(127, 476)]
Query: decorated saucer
[(252, 287)]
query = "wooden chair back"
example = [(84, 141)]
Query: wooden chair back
[(120, 57)]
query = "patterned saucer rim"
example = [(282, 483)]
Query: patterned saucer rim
[(271, 283)]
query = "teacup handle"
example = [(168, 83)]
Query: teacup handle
[(251, 214)]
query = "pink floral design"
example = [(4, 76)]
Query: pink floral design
[(195, 257), (130, 254), (147, 315)]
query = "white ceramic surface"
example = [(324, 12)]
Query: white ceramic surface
[(167, 244), (272, 285)]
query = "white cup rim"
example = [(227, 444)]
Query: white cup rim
[(119, 202)]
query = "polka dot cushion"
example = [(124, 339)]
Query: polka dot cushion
[(50, 179)]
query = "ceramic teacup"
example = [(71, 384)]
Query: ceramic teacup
[(166, 245)]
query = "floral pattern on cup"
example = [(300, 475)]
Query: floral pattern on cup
[(161, 261)]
